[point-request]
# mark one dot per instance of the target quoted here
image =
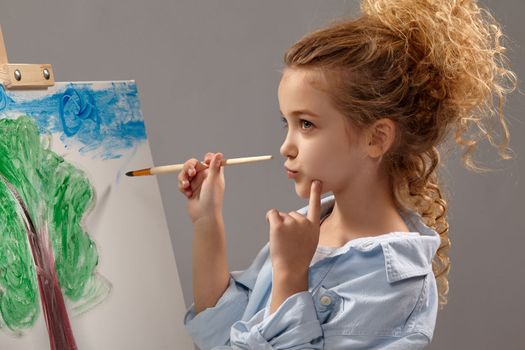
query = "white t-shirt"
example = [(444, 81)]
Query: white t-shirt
[(321, 252)]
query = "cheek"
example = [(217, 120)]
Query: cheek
[(325, 161), (324, 164)]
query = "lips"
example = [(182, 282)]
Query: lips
[(291, 173)]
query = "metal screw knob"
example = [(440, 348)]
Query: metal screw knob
[(46, 73), (18, 75)]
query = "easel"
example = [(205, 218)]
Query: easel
[(22, 76)]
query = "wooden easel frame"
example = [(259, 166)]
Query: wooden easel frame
[(23, 76)]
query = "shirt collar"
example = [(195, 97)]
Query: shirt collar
[(406, 254)]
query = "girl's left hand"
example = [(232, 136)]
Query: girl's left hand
[(294, 237)]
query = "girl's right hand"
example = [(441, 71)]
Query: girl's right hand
[(203, 185)]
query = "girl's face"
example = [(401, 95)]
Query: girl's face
[(320, 143)]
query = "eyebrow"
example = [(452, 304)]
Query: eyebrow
[(303, 111)]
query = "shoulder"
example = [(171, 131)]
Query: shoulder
[(379, 287)]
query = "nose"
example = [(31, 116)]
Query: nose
[(288, 148)]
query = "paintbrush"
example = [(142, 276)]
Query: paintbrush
[(176, 167)]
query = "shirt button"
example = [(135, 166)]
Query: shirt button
[(326, 300)]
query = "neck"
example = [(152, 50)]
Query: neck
[(365, 209)]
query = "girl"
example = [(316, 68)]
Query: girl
[(365, 102)]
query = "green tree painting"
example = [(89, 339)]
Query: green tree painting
[(46, 256)]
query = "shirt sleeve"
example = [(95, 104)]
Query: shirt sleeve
[(211, 326), (294, 325)]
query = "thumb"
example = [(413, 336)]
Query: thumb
[(215, 166), (201, 166)]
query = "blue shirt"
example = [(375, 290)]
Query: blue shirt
[(372, 293)]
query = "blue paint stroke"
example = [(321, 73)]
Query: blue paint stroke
[(81, 110), (103, 117), (4, 99)]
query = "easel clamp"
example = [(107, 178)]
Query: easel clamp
[(20, 76)]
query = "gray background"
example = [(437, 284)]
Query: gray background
[(207, 73)]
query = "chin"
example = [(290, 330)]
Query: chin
[(301, 190), (304, 191), (302, 194)]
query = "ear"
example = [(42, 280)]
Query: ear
[(381, 137)]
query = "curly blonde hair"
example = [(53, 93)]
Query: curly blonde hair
[(432, 67)]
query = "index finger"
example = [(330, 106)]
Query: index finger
[(190, 163), (314, 206)]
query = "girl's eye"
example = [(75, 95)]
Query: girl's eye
[(307, 123), (303, 123)]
